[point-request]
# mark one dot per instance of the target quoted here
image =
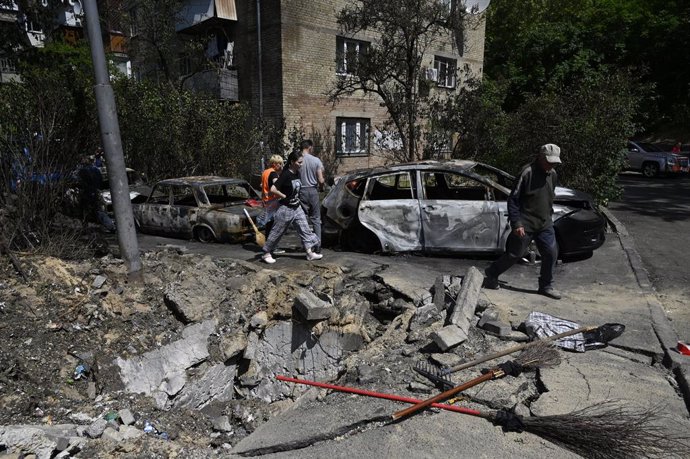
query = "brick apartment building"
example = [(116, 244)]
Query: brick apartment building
[(286, 58)]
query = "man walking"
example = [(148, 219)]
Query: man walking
[(530, 206), (311, 175)]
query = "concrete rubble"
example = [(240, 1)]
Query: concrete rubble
[(186, 366)]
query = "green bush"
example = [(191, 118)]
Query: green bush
[(590, 120)]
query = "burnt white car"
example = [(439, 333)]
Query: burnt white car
[(207, 208), (445, 207)]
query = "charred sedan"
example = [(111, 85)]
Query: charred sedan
[(204, 208), (445, 206)]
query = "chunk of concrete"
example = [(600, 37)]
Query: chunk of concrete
[(96, 428), (439, 294), (250, 348), (259, 320), (497, 328), (215, 385), (466, 301), (487, 316), (99, 281), (233, 344), (448, 337), (126, 417), (312, 307), (222, 424), (150, 372), (424, 316)]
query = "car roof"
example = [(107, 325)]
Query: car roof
[(452, 164), (203, 180)]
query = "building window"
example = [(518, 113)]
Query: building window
[(445, 71), (349, 54), (352, 136), (7, 65)]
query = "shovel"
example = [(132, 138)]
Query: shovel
[(259, 236)]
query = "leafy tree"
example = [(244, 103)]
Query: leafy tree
[(168, 132), (589, 119), (536, 45), (47, 121), (156, 47), (390, 66)]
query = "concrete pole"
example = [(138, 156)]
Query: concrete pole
[(112, 146)]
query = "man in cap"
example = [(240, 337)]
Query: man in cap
[(530, 206)]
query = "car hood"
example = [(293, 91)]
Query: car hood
[(568, 194)]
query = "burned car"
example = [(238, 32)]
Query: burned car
[(135, 180), (204, 208), (443, 207)]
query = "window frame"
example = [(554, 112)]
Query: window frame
[(341, 136), (446, 69), (341, 54)]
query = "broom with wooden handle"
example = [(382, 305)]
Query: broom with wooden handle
[(258, 235), (606, 430), (538, 356)]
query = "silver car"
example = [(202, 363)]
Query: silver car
[(443, 207)]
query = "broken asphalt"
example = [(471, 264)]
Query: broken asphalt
[(641, 368)]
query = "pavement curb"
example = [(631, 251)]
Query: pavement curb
[(667, 336)]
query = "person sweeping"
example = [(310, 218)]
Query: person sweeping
[(287, 188)]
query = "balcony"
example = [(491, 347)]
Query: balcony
[(218, 83)]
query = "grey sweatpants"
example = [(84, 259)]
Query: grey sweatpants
[(282, 220), (311, 204)]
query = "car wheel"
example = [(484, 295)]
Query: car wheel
[(650, 170), (204, 234), (360, 239)]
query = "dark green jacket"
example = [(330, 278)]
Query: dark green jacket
[(530, 204)]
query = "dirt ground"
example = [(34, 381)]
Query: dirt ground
[(62, 331)]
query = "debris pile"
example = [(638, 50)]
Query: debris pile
[(186, 364)]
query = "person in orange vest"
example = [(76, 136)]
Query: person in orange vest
[(270, 200)]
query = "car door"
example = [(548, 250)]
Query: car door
[(169, 211), (459, 213), (390, 209), (150, 215), (634, 156)]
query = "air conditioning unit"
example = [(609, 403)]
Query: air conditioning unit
[(432, 74)]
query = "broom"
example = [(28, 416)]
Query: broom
[(542, 355), (258, 235), (606, 430)]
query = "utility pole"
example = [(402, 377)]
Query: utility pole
[(112, 146)]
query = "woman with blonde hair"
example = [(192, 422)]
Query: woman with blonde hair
[(270, 200)]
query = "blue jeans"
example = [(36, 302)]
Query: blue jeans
[(516, 247)]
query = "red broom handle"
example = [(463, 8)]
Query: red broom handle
[(368, 393), (444, 395)]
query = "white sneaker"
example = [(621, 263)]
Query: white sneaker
[(268, 258), (311, 256)]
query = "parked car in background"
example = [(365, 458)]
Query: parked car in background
[(205, 208), (137, 187), (445, 207), (651, 160)]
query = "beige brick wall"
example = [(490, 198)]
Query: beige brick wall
[(299, 52)]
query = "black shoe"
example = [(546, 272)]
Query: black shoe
[(490, 282), (550, 292)]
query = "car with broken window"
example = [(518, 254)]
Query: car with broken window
[(205, 208), (445, 207)]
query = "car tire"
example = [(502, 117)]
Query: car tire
[(204, 234), (650, 170), (360, 239)]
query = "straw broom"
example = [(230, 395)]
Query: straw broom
[(542, 355), (606, 430)]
